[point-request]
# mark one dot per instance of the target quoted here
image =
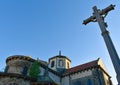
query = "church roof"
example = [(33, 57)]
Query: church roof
[(93, 64), (81, 67)]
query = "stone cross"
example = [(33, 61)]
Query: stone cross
[(99, 16)]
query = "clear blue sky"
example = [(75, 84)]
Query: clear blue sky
[(40, 28)]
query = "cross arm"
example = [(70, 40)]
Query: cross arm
[(102, 12)]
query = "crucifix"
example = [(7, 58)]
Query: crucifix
[(99, 16)]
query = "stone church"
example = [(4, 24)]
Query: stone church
[(57, 71)]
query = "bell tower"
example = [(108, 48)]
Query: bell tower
[(59, 63)]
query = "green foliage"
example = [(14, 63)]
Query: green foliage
[(34, 70)]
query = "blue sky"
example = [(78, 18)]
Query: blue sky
[(40, 28)]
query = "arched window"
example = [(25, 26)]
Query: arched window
[(68, 65), (25, 70), (52, 63), (61, 63), (89, 82)]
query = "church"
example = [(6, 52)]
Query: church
[(56, 71)]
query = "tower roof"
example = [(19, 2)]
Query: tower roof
[(60, 56)]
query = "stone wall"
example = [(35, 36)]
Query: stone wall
[(17, 66), (78, 77), (13, 81)]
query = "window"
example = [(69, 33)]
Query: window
[(25, 70), (61, 63), (52, 63), (68, 66), (89, 82)]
